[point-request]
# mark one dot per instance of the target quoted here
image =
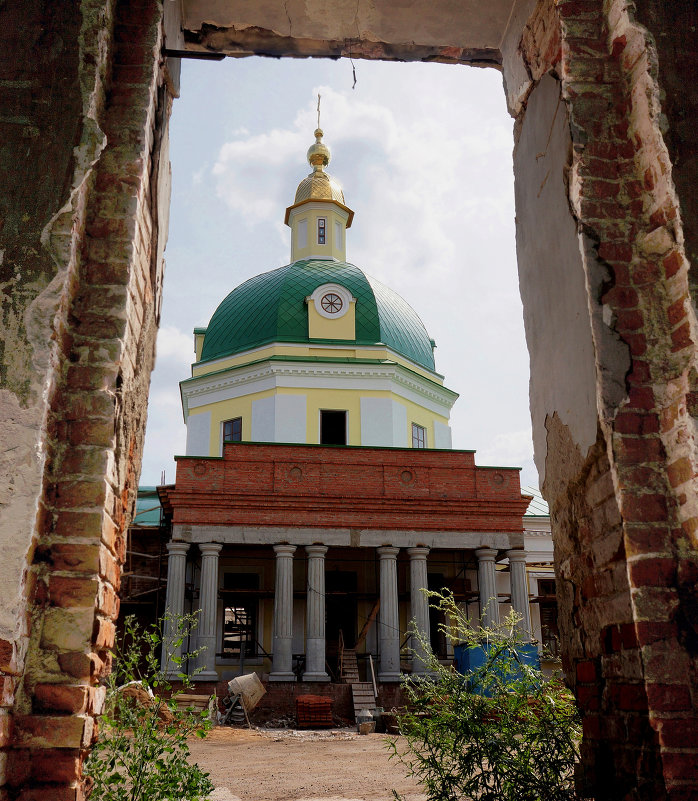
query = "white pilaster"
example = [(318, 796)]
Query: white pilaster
[(487, 583), (519, 589), (315, 615), (419, 606), (174, 604), (389, 618), (208, 600), (282, 649)]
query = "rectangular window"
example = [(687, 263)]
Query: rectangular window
[(232, 430), (321, 230), (333, 428), (239, 614), (419, 436)]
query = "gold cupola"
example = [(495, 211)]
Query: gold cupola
[(318, 217)]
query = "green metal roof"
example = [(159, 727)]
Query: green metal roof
[(147, 507), (271, 308)]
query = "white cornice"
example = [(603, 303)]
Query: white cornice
[(238, 381)]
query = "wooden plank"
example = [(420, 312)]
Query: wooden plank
[(367, 624)]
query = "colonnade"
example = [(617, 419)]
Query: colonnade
[(388, 619)]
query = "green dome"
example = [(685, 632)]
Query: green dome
[(271, 307)]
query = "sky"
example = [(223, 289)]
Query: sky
[(424, 155)]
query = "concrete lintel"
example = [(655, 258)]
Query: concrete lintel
[(349, 538)]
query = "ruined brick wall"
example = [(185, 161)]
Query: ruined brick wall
[(86, 217), (603, 92), (619, 472)]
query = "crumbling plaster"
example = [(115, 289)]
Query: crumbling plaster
[(38, 259), (551, 276)]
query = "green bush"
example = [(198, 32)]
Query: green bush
[(142, 752), (504, 732)]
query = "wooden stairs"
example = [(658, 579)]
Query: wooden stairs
[(349, 669), (363, 696), (362, 692)]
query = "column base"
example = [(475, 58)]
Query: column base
[(282, 676), (389, 677), (315, 677)]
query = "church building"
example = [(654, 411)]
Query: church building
[(319, 493)]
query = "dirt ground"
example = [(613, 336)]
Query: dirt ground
[(288, 765)]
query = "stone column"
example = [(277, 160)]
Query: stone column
[(315, 615), (419, 606), (174, 603), (208, 601), (282, 648), (487, 583), (389, 618), (519, 590)]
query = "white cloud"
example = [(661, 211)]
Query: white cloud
[(509, 448), (175, 345)]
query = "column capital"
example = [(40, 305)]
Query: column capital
[(210, 548), (418, 552), (284, 549), (316, 550), (388, 551), (517, 555), (486, 554), (177, 548)]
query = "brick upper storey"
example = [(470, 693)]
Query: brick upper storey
[(329, 487)]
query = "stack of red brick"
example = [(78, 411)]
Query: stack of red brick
[(313, 711)]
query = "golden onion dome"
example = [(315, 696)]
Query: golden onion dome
[(319, 185)]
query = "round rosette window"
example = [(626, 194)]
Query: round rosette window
[(331, 301)]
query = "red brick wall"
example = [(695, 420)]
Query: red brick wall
[(625, 527), (328, 486), (280, 698)]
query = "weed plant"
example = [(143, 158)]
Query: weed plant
[(503, 732), (142, 752)]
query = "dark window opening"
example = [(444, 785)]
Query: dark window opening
[(239, 615), (321, 231), (232, 430), (333, 428), (341, 607)]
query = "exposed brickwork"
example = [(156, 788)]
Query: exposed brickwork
[(266, 485), (81, 260), (628, 549), (280, 698), (107, 243)]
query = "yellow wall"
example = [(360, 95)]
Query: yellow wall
[(354, 352), (316, 400), (320, 327), (333, 248)]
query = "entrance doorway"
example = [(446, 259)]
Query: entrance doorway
[(340, 608)]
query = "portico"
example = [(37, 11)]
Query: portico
[(362, 548)]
